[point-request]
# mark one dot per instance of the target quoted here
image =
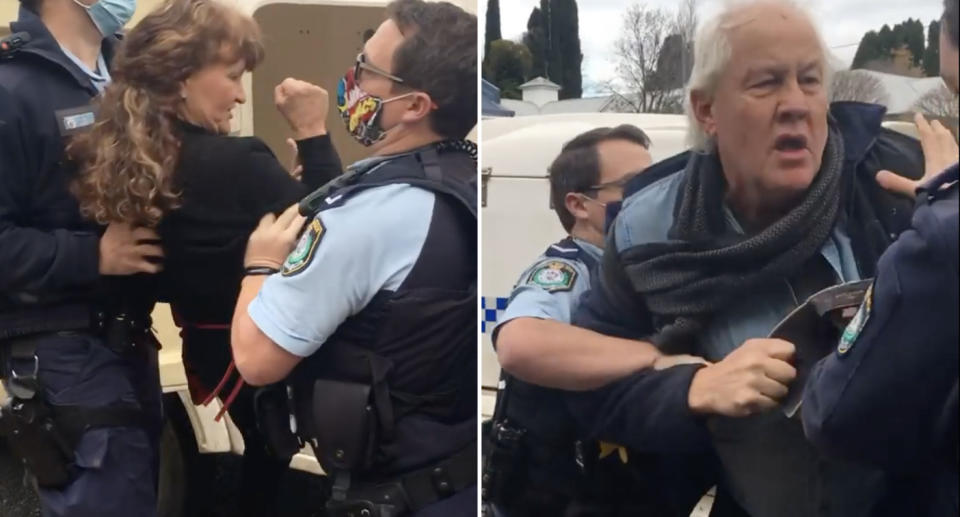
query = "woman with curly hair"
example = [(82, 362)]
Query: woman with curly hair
[(159, 156)]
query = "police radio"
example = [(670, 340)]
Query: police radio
[(10, 45)]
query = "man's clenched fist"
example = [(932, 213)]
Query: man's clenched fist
[(751, 380)]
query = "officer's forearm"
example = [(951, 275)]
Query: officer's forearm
[(259, 360), (557, 355)]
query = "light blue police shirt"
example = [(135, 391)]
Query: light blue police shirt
[(531, 300), (367, 245), (100, 78), (647, 216)]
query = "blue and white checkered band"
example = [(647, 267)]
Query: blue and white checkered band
[(490, 310)]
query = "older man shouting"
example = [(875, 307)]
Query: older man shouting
[(712, 248)]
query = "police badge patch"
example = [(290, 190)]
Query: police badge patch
[(300, 258), (553, 276), (855, 327)]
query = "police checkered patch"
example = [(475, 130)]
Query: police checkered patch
[(301, 256), (855, 327), (490, 310), (553, 276)]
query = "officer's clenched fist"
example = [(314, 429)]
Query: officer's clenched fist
[(274, 239), (304, 105), (752, 379), (125, 250)]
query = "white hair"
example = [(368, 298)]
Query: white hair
[(712, 52)]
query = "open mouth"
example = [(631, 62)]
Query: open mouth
[(791, 143)]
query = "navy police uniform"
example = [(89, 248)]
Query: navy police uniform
[(888, 395), (65, 332), (379, 298)]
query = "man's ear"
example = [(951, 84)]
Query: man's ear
[(576, 205), (419, 106), (703, 111)]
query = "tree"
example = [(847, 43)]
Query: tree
[(909, 35), (535, 39), (493, 24), (553, 37), (507, 65), (641, 42), (858, 85), (654, 58), (565, 48), (675, 61), (870, 49), (941, 103), (931, 57)]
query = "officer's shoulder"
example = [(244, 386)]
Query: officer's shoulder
[(16, 76), (937, 222), (389, 203), (554, 274)]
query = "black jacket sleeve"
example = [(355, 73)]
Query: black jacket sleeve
[(267, 185), (647, 411), (31, 259), (321, 163), (890, 398)]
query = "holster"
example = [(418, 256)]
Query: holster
[(42, 436), (276, 421), (33, 437), (504, 459), (344, 425), (386, 500)]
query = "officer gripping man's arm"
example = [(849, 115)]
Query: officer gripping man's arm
[(888, 395), (534, 340), (536, 464)]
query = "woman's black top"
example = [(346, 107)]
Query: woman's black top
[(226, 184)]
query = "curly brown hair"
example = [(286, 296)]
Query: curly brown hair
[(126, 161)]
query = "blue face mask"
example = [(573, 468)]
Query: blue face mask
[(110, 15)]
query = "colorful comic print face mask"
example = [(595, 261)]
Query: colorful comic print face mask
[(361, 111)]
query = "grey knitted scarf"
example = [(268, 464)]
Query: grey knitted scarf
[(705, 267)]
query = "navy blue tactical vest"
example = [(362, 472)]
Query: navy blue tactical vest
[(415, 346)]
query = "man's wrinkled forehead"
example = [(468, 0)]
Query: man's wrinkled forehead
[(379, 49), (762, 29)]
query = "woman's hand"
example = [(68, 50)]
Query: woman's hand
[(939, 152), (274, 239), (304, 105)]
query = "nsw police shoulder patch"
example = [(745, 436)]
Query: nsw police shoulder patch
[(856, 325), (300, 257), (554, 276)]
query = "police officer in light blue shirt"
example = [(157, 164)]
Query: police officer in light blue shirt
[(549, 471), (369, 316), (367, 245)]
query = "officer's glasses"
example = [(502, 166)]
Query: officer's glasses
[(361, 65), (618, 184)]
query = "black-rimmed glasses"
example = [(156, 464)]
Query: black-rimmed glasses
[(361, 64)]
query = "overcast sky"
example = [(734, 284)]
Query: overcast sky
[(843, 22)]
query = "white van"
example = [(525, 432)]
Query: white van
[(312, 40)]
